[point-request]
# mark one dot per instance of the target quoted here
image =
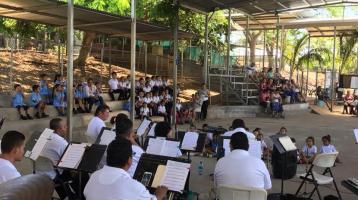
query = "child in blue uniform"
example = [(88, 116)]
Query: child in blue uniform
[(37, 102), (59, 99), (18, 102), (45, 92), (79, 99)]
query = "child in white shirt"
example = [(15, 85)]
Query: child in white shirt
[(327, 147), (162, 111), (144, 111), (309, 151)]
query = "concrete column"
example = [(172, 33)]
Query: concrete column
[(175, 64), (205, 67), (277, 39), (228, 43), (145, 58), (133, 56), (333, 76), (246, 41), (70, 35), (308, 63)]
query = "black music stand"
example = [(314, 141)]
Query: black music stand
[(281, 148), (103, 130), (149, 163), (200, 145), (221, 149), (2, 122), (89, 162)]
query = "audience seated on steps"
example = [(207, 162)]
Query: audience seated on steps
[(18, 102), (12, 149), (37, 103)]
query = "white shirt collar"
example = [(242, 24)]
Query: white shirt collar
[(239, 152)]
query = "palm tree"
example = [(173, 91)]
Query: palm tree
[(346, 46), (292, 59)]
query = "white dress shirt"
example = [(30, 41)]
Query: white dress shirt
[(7, 171), (113, 84), (249, 135), (94, 128), (137, 153), (162, 109), (53, 150), (239, 168), (110, 183)]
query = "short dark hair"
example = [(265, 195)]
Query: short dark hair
[(162, 129), (238, 123), (310, 138), (16, 85), (124, 127), (118, 152), (239, 140), (35, 87), (11, 140), (118, 118), (55, 123), (100, 109), (327, 137)]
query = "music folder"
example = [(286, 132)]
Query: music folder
[(155, 170), (224, 147), (39, 145), (192, 141), (82, 156), (106, 136), (283, 143), (143, 127)]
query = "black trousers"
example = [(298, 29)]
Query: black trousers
[(64, 191), (204, 109), (111, 94)]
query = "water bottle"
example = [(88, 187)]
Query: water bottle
[(200, 168)]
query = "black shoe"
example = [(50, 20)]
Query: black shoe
[(29, 117), (75, 111), (23, 117), (37, 115), (44, 115)]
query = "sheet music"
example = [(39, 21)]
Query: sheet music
[(143, 127), (155, 146), (151, 130), (158, 176), (158, 146), (355, 131), (107, 137), (190, 141), (73, 156), (175, 175), (226, 146), (40, 144), (255, 148), (287, 143)]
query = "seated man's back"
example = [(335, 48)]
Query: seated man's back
[(239, 168)]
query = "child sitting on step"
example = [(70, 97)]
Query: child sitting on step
[(18, 102), (37, 103)]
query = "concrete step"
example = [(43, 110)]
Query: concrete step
[(11, 114)]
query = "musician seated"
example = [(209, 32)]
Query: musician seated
[(124, 129), (97, 123), (12, 149), (239, 168), (113, 182), (164, 130), (238, 125)]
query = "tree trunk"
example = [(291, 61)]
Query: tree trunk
[(80, 62), (269, 51), (252, 45)]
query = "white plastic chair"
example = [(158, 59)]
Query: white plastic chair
[(326, 161), (228, 192)]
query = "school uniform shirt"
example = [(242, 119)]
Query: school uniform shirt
[(179, 106), (90, 91), (239, 168), (247, 133), (59, 99), (147, 89), (328, 149), (137, 153), (113, 84), (147, 100), (7, 171), (161, 109), (122, 85), (110, 183), (144, 111), (53, 150), (35, 99), (309, 151), (156, 99), (94, 128), (43, 88), (18, 99), (152, 83)]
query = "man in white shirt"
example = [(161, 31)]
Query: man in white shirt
[(238, 125), (57, 144), (12, 149), (97, 123), (239, 168), (124, 129), (113, 86), (113, 182)]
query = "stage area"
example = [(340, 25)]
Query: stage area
[(300, 124)]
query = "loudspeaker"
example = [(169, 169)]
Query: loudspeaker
[(284, 166)]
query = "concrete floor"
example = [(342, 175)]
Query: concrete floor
[(300, 124)]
